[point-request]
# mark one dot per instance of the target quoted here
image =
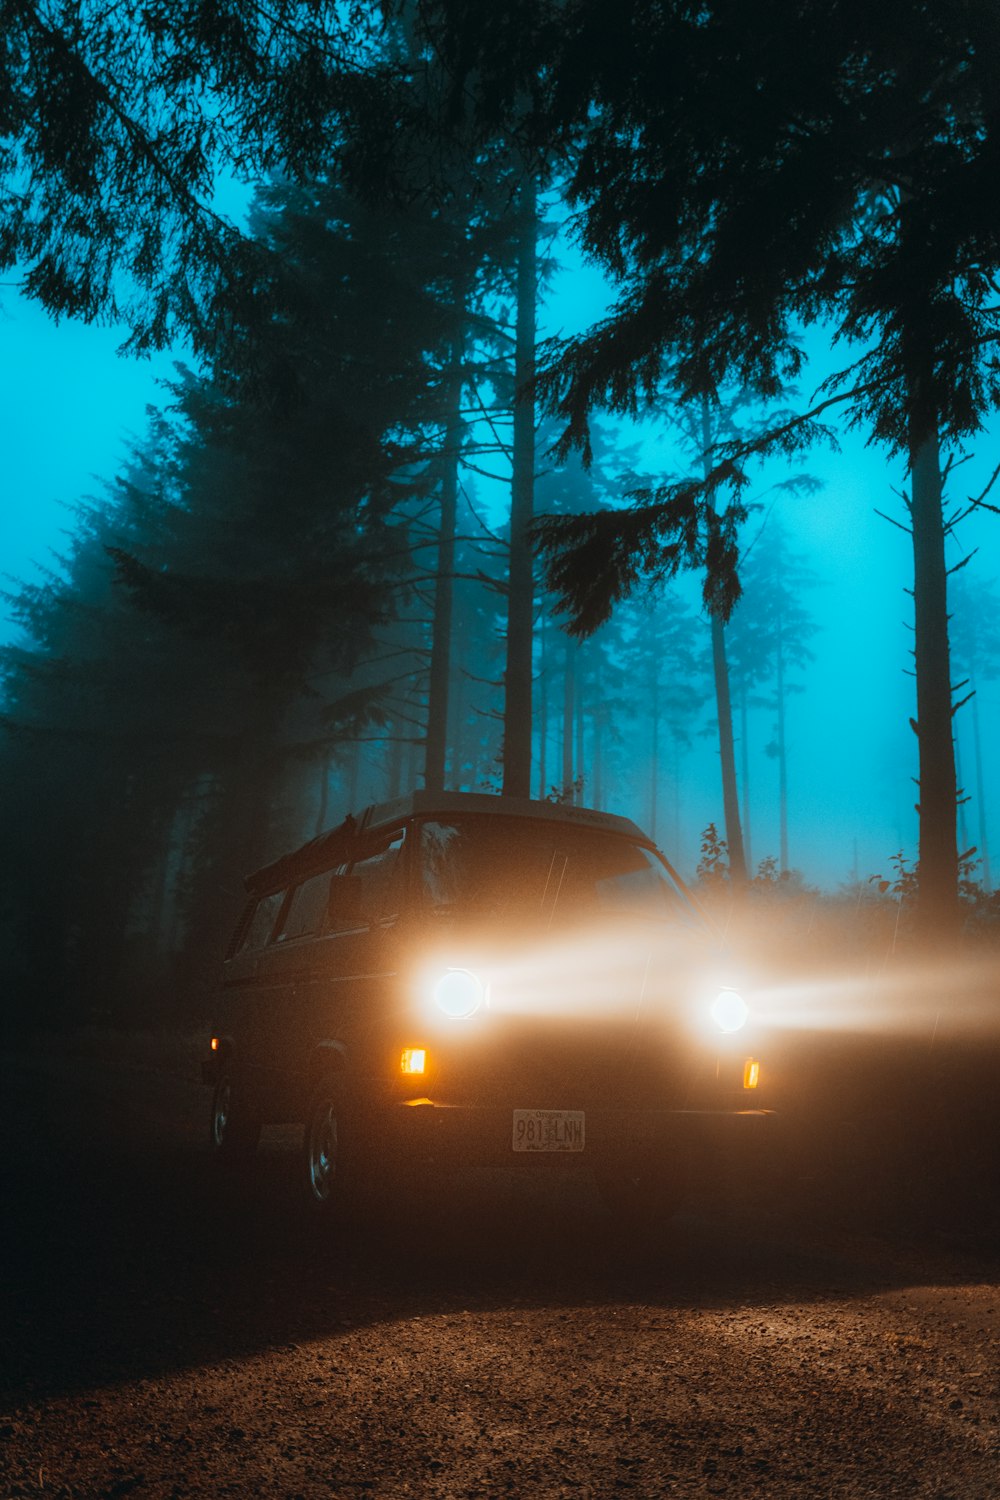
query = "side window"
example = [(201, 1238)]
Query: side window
[(261, 924), (381, 877), (307, 909)]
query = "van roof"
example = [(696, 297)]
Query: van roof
[(336, 845)]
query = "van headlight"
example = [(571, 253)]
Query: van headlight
[(729, 1010), (458, 993)]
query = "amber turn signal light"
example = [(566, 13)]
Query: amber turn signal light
[(413, 1060), (214, 1044), (751, 1073)]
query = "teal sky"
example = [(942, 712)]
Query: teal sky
[(69, 406)]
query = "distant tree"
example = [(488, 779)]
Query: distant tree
[(416, 147), (562, 487), (704, 427), (219, 622), (521, 581), (769, 633), (708, 422), (473, 196), (975, 634), (476, 733), (439, 675), (90, 775), (661, 663)]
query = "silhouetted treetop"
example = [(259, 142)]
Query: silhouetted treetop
[(116, 122), (742, 170), (739, 169)]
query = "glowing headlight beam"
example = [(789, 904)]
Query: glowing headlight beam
[(729, 1011), (458, 993)]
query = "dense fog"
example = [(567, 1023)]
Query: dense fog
[(852, 753), (442, 412)]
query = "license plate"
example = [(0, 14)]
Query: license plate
[(548, 1130)]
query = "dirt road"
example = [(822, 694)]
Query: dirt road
[(165, 1337)]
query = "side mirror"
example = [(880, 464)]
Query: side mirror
[(344, 904)]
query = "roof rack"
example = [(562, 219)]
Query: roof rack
[(337, 844)]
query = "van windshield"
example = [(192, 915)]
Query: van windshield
[(493, 867)]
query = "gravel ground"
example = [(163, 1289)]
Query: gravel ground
[(165, 1335)]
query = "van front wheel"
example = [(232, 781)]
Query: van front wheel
[(324, 1175)]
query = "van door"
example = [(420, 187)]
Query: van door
[(240, 1008), (284, 975), (352, 965)]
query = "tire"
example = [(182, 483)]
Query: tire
[(328, 1178), (234, 1127), (641, 1190)]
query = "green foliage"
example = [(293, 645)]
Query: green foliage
[(904, 884), (567, 794), (712, 873)]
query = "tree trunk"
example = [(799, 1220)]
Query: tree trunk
[(977, 750), (727, 756), (745, 769), (597, 743), (444, 590), (938, 853), (724, 710), (581, 698), (782, 754), (675, 800), (654, 774), (569, 703), (521, 591), (543, 705), (962, 798)]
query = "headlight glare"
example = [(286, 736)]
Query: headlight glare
[(458, 993), (729, 1011)]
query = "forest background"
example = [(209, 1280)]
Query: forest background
[(232, 646)]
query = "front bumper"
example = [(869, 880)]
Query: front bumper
[(425, 1129)]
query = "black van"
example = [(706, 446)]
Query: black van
[(463, 978)]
